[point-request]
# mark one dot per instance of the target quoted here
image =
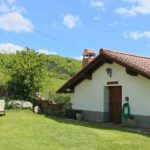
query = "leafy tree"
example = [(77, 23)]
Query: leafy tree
[(27, 72), (14, 77), (4, 74), (62, 67)]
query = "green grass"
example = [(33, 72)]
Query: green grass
[(52, 85), (24, 130)]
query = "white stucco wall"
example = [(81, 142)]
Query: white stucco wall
[(89, 94)]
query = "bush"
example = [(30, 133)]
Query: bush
[(27, 105), (59, 98), (54, 105), (19, 104)]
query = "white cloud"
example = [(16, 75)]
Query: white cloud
[(79, 58), (138, 7), (12, 19), (97, 4), (7, 1), (47, 52), (4, 8), (114, 23), (117, 23), (10, 1), (137, 35), (53, 24), (71, 21), (96, 18), (10, 48), (8, 7)]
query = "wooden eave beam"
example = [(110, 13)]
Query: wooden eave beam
[(131, 72)]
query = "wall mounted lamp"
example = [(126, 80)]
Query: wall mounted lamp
[(109, 71)]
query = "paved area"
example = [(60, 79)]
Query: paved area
[(109, 124), (139, 130)]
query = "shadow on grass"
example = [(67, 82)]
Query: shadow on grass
[(103, 126)]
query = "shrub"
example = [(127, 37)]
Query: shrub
[(19, 104), (59, 98), (27, 105), (13, 104)]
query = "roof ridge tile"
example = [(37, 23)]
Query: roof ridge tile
[(115, 51)]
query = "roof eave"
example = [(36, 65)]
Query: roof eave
[(63, 88), (138, 70), (98, 61)]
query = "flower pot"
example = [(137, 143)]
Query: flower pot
[(79, 116), (131, 122)]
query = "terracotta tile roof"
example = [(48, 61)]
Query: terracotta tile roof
[(138, 64)]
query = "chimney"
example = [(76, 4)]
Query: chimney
[(88, 56)]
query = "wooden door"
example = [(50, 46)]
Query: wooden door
[(115, 105)]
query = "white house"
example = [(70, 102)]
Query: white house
[(104, 83)]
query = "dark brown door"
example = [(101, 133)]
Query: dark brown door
[(115, 96)]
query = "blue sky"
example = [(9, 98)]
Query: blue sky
[(67, 27)]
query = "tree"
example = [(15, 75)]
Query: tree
[(27, 71)]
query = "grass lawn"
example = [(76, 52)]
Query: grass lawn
[(51, 84), (24, 130)]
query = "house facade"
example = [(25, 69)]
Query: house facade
[(102, 86)]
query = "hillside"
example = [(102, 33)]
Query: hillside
[(62, 67), (58, 70)]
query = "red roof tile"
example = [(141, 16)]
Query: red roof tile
[(136, 63)]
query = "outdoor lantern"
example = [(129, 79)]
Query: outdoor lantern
[(109, 71)]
